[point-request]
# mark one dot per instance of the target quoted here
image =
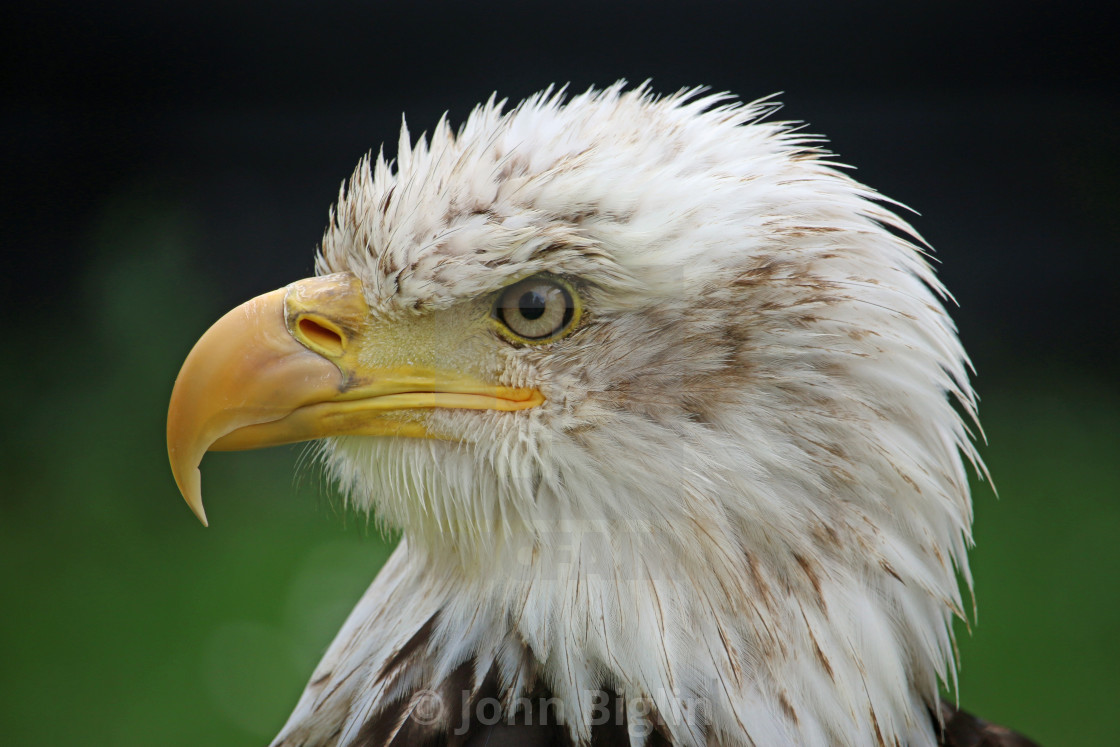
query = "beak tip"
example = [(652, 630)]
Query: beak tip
[(191, 488), (199, 511)]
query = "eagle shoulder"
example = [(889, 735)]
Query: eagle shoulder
[(959, 728)]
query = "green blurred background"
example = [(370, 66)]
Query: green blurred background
[(163, 165)]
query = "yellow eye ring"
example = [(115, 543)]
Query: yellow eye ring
[(536, 310)]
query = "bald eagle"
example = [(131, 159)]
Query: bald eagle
[(668, 411)]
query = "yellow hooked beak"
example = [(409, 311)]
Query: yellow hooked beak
[(305, 362)]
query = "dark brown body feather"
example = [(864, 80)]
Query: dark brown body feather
[(962, 729)]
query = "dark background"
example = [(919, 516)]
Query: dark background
[(164, 161)]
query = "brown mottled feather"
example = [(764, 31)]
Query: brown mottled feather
[(418, 642)]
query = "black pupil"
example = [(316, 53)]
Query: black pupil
[(531, 305)]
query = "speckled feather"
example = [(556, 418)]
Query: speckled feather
[(743, 508)]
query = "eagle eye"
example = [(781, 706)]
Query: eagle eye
[(537, 309)]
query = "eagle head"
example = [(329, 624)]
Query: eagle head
[(664, 404)]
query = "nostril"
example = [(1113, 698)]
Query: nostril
[(320, 338)]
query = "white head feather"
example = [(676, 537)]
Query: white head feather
[(744, 501)]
